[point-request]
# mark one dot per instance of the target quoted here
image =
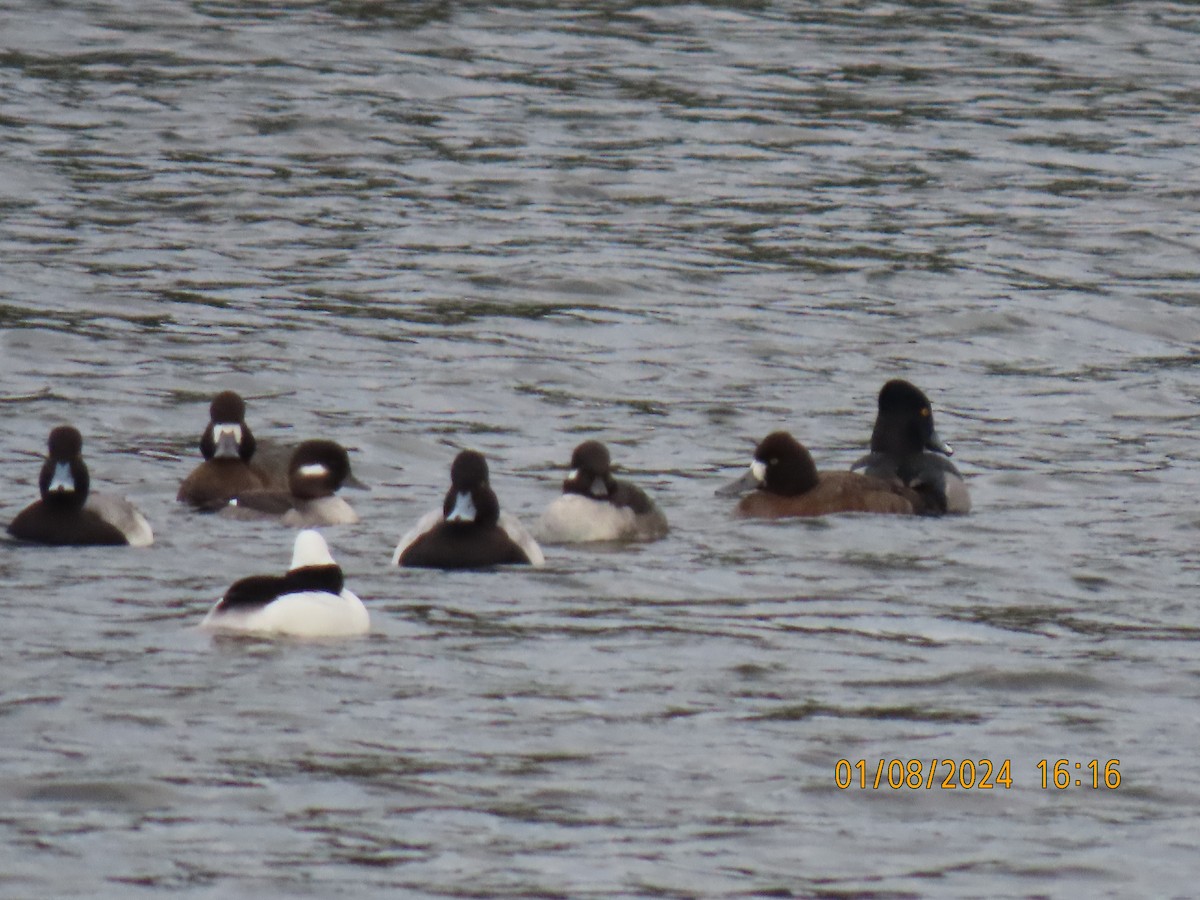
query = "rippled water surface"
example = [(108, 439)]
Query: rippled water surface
[(420, 226)]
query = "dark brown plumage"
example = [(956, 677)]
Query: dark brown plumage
[(785, 483)]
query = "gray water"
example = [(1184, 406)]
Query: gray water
[(419, 226)]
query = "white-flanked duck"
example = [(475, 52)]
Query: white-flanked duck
[(469, 531), (595, 506), (318, 468), (69, 513), (309, 601)]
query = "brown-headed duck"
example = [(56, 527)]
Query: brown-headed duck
[(318, 468), (783, 482), (228, 448)]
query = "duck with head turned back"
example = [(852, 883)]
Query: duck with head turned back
[(318, 468), (595, 506), (783, 482), (469, 531), (69, 513), (227, 446), (906, 450)]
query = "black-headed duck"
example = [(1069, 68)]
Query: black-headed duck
[(906, 450), (595, 506), (469, 531), (69, 513)]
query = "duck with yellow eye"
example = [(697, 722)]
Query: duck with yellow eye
[(783, 482), (906, 450)]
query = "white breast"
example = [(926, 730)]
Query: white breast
[(574, 518), (322, 511), (308, 614)]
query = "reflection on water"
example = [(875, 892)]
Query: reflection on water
[(421, 226)]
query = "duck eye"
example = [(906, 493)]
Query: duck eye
[(774, 461), (924, 412)]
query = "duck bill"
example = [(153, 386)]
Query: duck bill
[(229, 439), (62, 482), (352, 482), (464, 509), (748, 482), (937, 445)]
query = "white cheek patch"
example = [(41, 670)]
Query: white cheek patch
[(758, 469), (464, 509), (314, 470), (573, 475), (62, 481), (310, 550)]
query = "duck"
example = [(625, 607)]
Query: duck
[(469, 531), (227, 446), (317, 469), (595, 506), (906, 450), (783, 482), (309, 601), (69, 513)]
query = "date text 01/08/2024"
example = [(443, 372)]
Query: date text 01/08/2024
[(967, 774)]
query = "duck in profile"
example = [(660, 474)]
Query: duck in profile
[(69, 513), (309, 601), (595, 506), (783, 482), (906, 450), (318, 468), (469, 531), (228, 447)]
